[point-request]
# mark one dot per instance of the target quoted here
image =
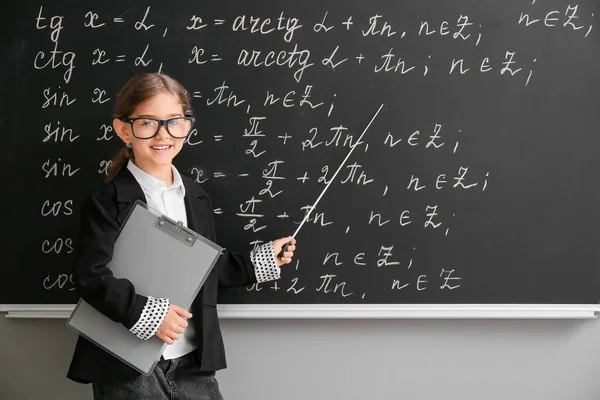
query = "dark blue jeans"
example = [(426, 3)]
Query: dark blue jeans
[(177, 379)]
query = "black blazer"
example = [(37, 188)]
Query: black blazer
[(102, 215)]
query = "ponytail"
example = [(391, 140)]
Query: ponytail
[(119, 162)]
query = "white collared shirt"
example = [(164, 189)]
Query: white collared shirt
[(168, 200)]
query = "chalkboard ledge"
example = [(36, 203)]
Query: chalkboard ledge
[(352, 311)]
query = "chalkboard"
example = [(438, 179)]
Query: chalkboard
[(476, 183)]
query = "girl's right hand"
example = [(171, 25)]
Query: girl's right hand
[(173, 324)]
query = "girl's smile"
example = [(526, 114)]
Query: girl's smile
[(161, 148)]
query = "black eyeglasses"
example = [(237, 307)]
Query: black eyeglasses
[(147, 128)]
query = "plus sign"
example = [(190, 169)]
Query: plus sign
[(285, 138), (348, 23), (360, 58), (303, 178)]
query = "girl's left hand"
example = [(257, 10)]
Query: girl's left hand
[(288, 254)]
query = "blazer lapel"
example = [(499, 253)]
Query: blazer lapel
[(196, 209), (128, 191)]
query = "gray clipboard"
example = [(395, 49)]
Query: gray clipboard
[(162, 258)]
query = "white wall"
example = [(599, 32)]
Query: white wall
[(350, 359)]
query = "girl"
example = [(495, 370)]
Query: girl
[(153, 116)]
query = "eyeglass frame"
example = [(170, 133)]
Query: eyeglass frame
[(161, 123)]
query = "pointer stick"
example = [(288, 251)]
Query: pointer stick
[(331, 180)]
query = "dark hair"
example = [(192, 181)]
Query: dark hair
[(136, 90)]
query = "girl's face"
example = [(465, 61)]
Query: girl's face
[(160, 150)]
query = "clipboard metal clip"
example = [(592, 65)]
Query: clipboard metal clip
[(176, 230)]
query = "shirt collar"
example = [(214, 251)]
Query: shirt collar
[(153, 185)]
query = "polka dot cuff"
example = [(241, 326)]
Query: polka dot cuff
[(152, 316), (265, 264)]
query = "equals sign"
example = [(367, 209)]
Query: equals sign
[(219, 21), (120, 58), (215, 57), (118, 20), (218, 138), (197, 94), (219, 175), (218, 211)]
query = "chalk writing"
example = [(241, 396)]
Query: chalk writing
[(280, 97)]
